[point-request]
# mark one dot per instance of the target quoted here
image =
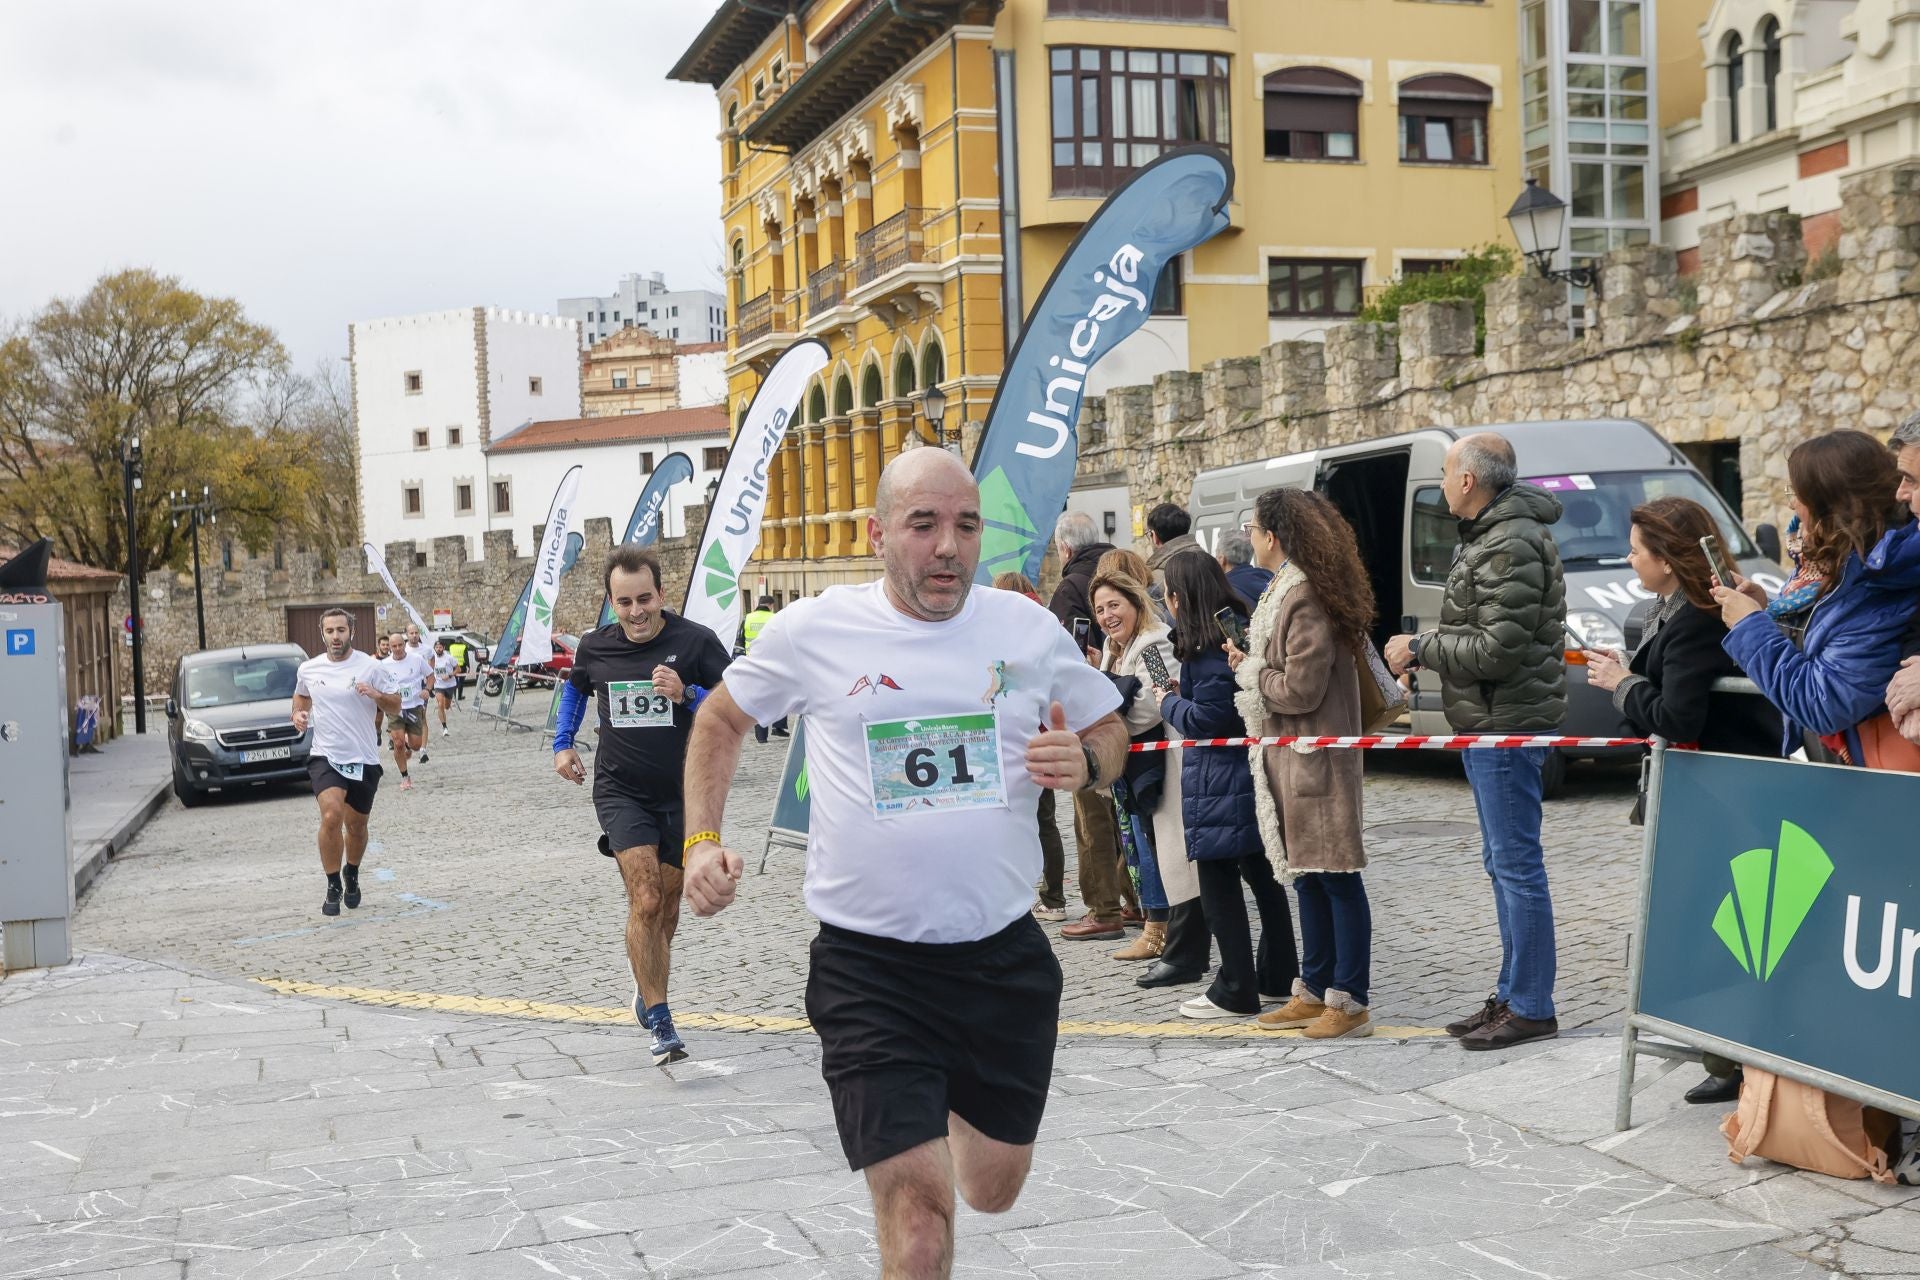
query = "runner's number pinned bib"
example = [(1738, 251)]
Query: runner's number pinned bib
[(632, 704), (351, 772), (935, 764)]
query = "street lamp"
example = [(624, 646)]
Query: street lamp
[(198, 513), (130, 477), (935, 404), (1539, 222)]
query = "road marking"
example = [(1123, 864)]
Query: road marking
[(497, 1006)]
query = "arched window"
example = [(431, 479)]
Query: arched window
[(1313, 113), (817, 403), (1736, 81), (842, 396), (871, 392), (733, 136), (903, 375), (1443, 120), (933, 365), (739, 274), (1770, 49)]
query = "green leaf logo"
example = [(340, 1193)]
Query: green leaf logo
[(1773, 889), (1007, 536), (722, 583), (800, 784), (542, 611)]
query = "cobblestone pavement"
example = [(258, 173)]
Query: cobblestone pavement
[(155, 1125), (484, 882)]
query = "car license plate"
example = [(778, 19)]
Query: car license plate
[(266, 753)]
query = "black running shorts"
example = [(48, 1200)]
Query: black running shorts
[(627, 823), (359, 794), (912, 1030)]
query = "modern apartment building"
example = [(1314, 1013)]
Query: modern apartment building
[(645, 302)]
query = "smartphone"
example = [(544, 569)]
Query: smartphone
[(1231, 626), (1157, 669), (1082, 629), (1719, 563), (1579, 641)]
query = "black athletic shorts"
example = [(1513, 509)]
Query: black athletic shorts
[(912, 1030), (627, 823), (359, 794)]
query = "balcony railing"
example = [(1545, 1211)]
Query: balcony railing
[(762, 315), (825, 288), (887, 247)]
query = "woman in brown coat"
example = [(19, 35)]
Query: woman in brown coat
[(1301, 677)]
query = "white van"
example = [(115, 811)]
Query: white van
[(1389, 490)]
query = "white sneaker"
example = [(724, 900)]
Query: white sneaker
[(1201, 1007), (1041, 911), (444, 731), (1907, 1172)]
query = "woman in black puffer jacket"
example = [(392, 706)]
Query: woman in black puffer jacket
[(1216, 802)]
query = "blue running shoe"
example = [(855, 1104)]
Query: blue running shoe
[(667, 1047)]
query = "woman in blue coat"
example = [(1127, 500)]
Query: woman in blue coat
[(1216, 801), (1823, 649)]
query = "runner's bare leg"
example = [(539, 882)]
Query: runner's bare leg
[(333, 814), (653, 915)]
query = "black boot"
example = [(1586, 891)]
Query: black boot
[(1716, 1089)]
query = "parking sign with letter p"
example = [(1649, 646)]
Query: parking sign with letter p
[(19, 642)]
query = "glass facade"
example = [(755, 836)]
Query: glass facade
[(1588, 128)]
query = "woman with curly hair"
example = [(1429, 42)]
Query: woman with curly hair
[(1824, 648), (1301, 676)]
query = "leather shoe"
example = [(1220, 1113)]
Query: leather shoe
[(1716, 1089), (1087, 929), (1162, 974)]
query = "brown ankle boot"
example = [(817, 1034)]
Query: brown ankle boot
[(1148, 946)]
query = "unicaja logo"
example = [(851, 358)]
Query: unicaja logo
[(1773, 890), (721, 582)]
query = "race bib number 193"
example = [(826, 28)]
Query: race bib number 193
[(632, 704), (935, 764)]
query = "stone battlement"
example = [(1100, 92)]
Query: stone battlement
[(1749, 350)]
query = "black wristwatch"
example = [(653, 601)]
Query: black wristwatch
[(1093, 766)]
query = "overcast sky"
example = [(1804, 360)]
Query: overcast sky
[(325, 161)]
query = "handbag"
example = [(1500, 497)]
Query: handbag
[(1382, 699)]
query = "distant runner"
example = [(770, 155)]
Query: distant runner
[(407, 728), (446, 681), (646, 672), (341, 696)]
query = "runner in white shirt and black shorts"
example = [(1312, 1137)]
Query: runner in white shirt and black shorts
[(410, 674), (446, 680), (341, 696), (935, 714)]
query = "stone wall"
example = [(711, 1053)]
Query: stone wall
[(1746, 350), (249, 602)]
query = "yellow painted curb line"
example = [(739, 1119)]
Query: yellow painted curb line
[(504, 1008)]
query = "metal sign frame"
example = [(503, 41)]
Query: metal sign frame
[(1678, 1043)]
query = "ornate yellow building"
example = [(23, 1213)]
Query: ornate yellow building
[(631, 371), (902, 176)]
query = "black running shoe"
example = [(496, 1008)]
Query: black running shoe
[(352, 895), (331, 907)]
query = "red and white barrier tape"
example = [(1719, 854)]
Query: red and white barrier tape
[(1391, 742)]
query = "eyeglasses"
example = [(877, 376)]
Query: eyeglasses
[(1251, 527)]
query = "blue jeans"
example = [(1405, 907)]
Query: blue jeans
[(1506, 789), (1141, 858), (1336, 933)]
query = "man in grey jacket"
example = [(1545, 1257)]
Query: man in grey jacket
[(1500, 654)]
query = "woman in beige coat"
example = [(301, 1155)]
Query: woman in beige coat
[(1301, 676), (1138, 648)]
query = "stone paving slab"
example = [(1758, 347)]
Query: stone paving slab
[(395, 1152), (483, 882)]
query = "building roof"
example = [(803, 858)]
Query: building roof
[(666, 424), (700, 348), (735, 31), (59, 570)]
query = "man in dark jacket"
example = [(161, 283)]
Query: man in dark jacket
[(1167, 531), (1903, 693), (1500, 654), (1248, 580), (1096, 837)]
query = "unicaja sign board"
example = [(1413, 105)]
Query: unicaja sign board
[(536, 643), (1784, 913), (733, 522)]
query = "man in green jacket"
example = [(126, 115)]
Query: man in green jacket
[(1500, 653)]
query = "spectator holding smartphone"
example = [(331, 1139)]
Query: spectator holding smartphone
[(1667, 688), (1216, 799), (1824, 649), (1903, 694)]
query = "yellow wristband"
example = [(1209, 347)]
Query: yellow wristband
[(700, 837)]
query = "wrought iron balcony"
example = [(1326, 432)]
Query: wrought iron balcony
[(888, 246), (763, 315), (825, 288)]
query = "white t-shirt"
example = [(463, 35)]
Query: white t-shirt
[(344, 720), (918, 831), (409, 673), (443, 671)]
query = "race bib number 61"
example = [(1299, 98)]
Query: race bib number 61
[(935, 764)]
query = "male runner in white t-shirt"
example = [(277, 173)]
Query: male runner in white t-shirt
[(407, 728), (935, 715), (341, 696)]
